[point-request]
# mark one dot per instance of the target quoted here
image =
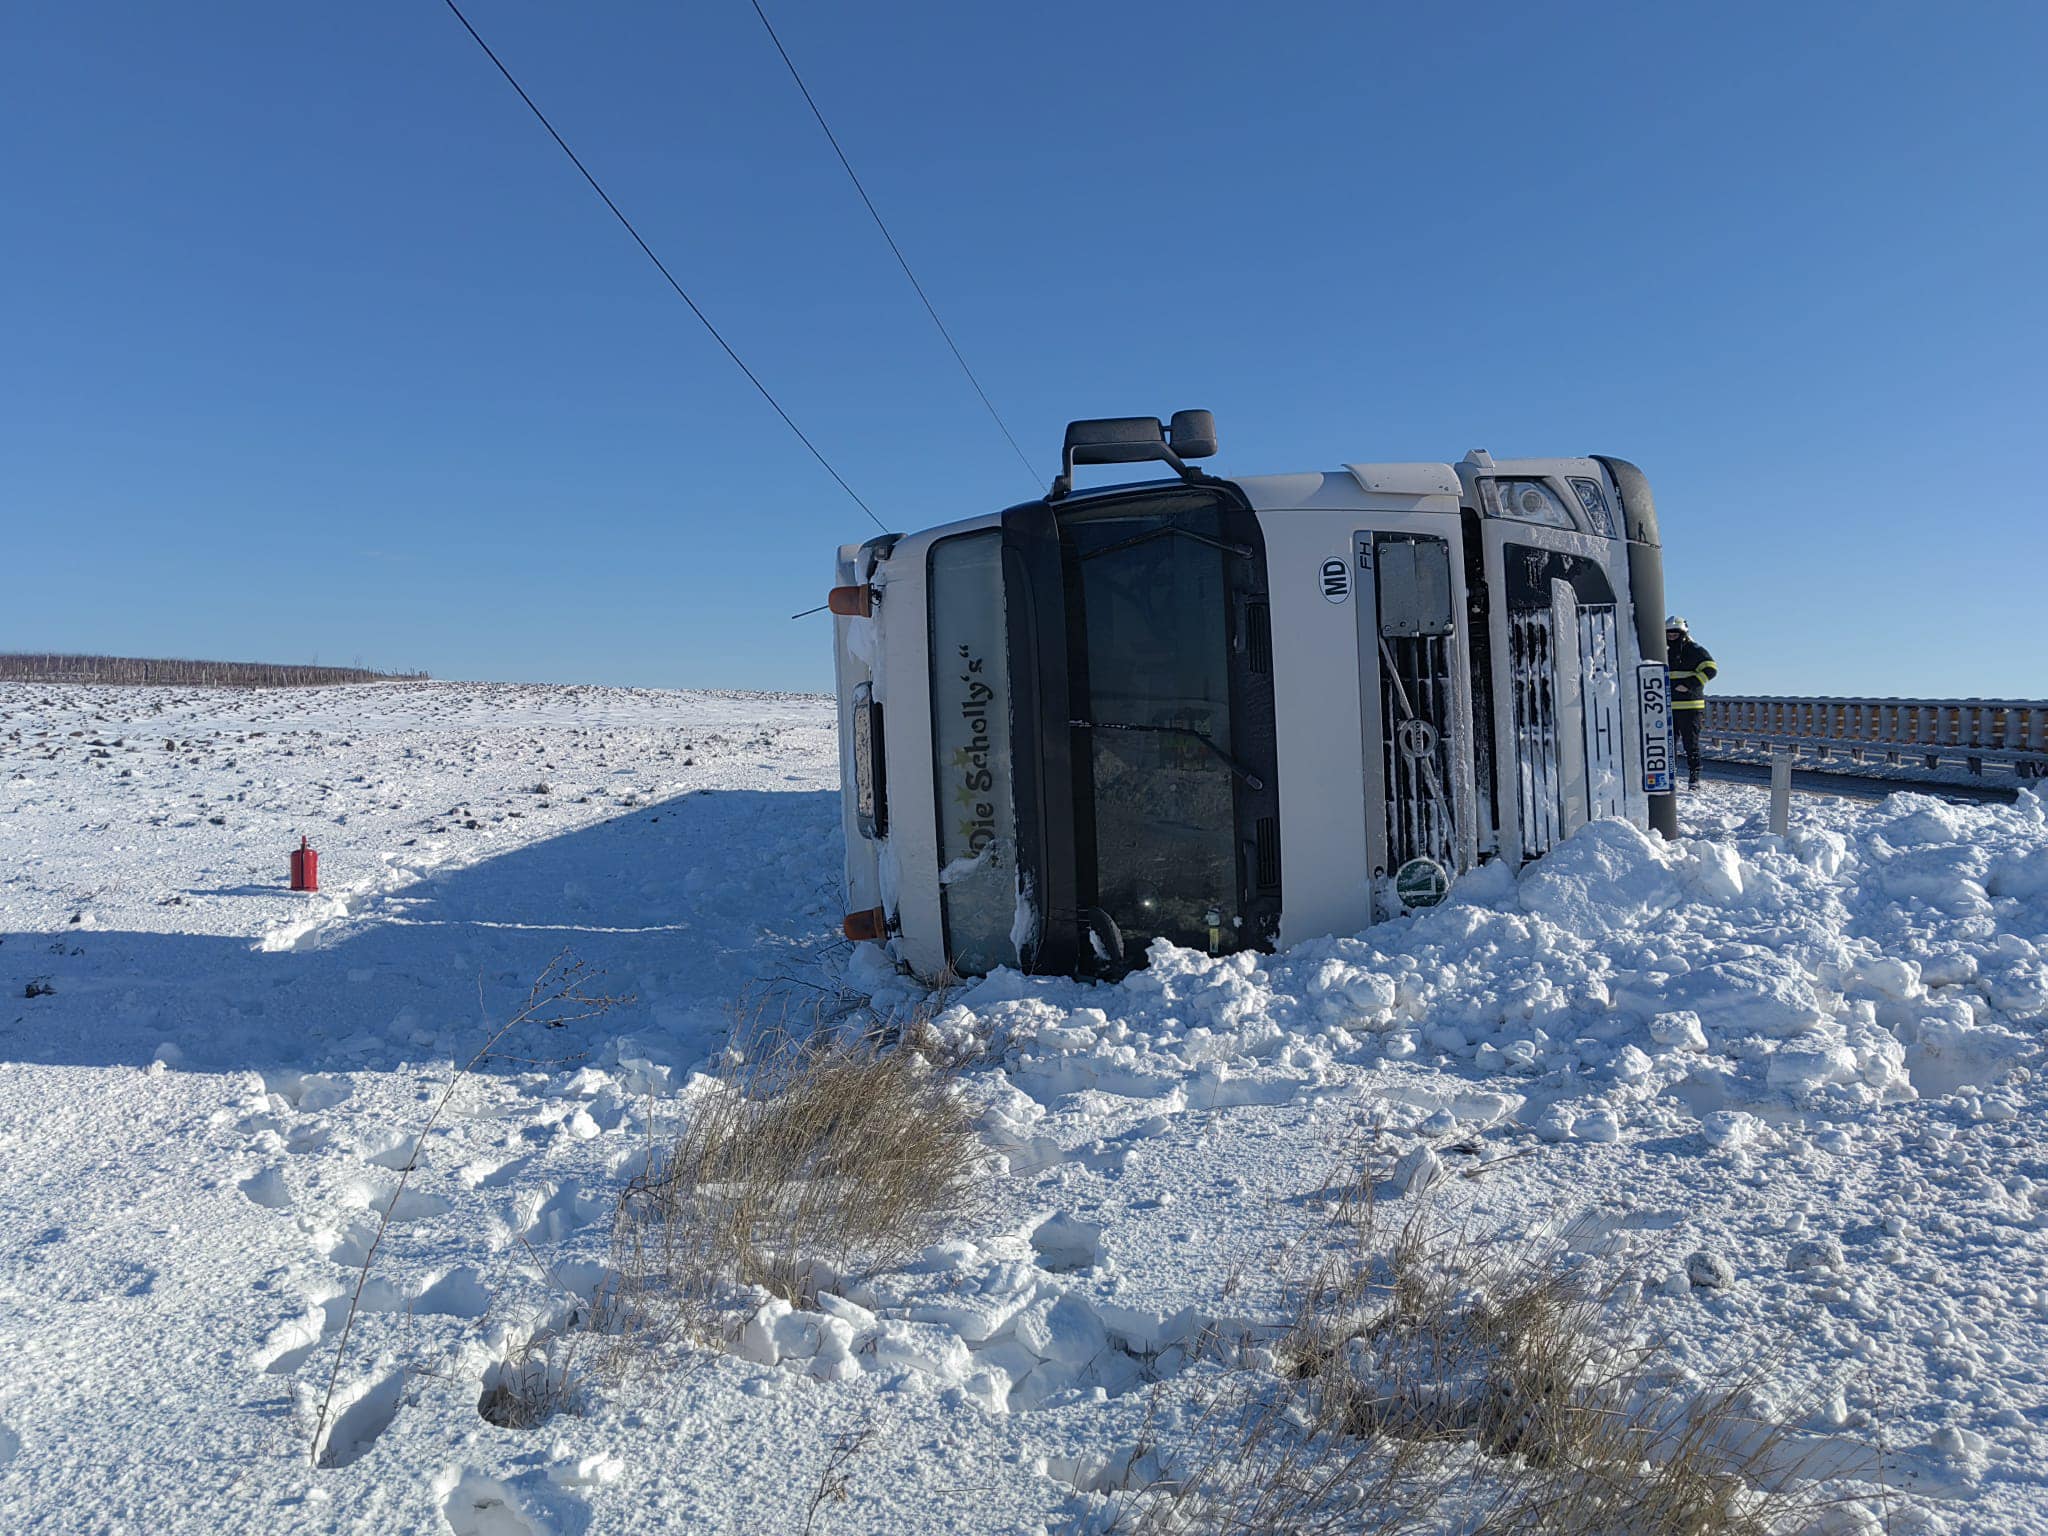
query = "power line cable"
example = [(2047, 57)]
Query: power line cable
[(702, 318), (894, 248)]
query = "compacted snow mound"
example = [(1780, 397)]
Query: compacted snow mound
[(1620, 975), (1780, 1098)]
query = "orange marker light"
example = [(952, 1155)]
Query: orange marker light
[(851, 602), (868, 927)]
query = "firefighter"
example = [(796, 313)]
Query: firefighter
[(1691, 667)]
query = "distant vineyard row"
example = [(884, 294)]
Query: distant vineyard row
[(135, 671)]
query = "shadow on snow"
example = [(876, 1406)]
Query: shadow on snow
[(693, 904)]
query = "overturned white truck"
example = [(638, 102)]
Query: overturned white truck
[(1238, 713)]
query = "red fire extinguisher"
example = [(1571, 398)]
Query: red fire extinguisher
[(305, 867)]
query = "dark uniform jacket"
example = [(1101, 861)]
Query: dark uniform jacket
[(1691, 666)]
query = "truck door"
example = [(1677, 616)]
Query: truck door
[(1415, 708)]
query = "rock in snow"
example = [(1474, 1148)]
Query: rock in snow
[(1708, 1271)]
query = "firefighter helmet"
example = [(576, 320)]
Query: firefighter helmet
[(1675, 622)]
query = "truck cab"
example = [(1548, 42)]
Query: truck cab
[(1237, 713)]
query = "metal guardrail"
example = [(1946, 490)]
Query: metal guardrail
[(1927, 739)]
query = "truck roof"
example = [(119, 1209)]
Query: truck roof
[(1354, 485)]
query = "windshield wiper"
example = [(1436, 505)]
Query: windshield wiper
[(1251, 780), (1164, 530)]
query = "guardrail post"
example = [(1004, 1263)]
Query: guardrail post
[(1781, 792)]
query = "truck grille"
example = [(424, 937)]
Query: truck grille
[(1552, 794), (1415, 674)]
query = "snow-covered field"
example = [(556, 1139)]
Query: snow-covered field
[(1785, 1096)]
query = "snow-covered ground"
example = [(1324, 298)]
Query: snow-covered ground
[(1785, 1095)]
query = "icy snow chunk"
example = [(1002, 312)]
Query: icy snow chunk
[(1519, 1055), (1555, 1123), (1730, 1129), (1000, 986), (922, 1347), (988, 1389), (1947, 1051), (974, 1317), (1448, 1038), (1479, 1107), (1490, 885), (584, 1083), (1889, 976), (1008, 1356), (1708, 1271), (1599, 1125), (1821, 848), (852, 1313), (803, 1336), (757, 1336), (1631, 1065), (1761, 994), (1713, 872), (1011, 1111), (1947, 878), (833, 1358), (309, 1093), (2019, 988), (1066, 1332), (475, 1505), (1418, 1168), (1808, 1071), (2023, 876), (598, 1469), (1348, 990), (1921, 819), (1817, 1253), (1044, 1383), (642, 1078), (946, 1257)]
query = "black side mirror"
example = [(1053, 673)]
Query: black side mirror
[(1192, 434)]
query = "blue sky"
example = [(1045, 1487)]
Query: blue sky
[(311, 343)]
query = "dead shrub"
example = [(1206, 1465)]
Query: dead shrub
[(1431, 1382), (804, 1165), (534, 1382)]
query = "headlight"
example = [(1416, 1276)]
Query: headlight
[(1594, 500), (1529, 500)]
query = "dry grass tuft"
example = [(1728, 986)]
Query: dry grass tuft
[(533, 1383), (1429, 1382), (802, 1167)]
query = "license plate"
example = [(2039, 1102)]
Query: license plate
[(1653, 708)]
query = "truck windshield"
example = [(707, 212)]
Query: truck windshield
[(1149, 640), (973, 778)]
